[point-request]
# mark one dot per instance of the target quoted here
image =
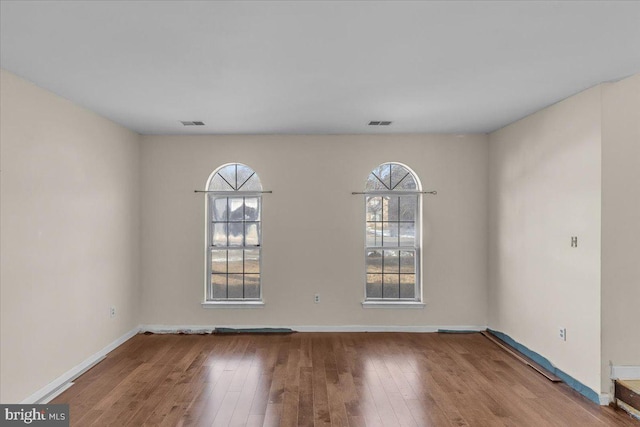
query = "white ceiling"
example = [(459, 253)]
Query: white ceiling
[(318, 67)]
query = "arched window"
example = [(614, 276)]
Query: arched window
[(234, 201), (392, 234)]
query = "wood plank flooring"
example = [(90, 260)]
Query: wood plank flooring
[(324, 379)]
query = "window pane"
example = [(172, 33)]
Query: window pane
[(244, 172), (374, 234), (219, 261), (219, 209), (374, 261), (374, 184), (219, 184), (374, 286), (247, 179), (251, 209), (229, 174), (391, 262), (378, 179), (235, 209), (390, 176), (407, 286), (252, 261), (407, 262), (408, 207), (389, 234), (390, 286), (219, 237), (374, 208), (392, 208), (407, 184), (235, 263), (252, 286), (235, 286), (384, 173), (398, 174), (253, 184), (236, 234), (407, 234), (219, 285), (252, 234)]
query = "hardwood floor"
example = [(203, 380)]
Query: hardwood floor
[(324, 379)]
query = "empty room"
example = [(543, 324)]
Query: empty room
[(320, 213)]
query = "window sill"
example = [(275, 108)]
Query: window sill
[(233, 304), (393, 304)]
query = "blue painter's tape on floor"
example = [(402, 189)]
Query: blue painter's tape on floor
[(544, 362)]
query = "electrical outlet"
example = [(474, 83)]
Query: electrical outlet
[(112, 312), (562, 334), (574, 241), (316, 298)]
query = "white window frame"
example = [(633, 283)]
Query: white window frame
[(212, 196), (417, 301)]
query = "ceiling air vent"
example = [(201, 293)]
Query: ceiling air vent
[(192, 123), (379, 123)]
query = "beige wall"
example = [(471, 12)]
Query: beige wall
[(93, 215), (313, 227), (544, 188), (69, 226), (620, 224)]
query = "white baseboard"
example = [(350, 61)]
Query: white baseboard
[(49, 397), (386, 328), (625, 372), (48, 392), (605, 399), (199, 329)]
